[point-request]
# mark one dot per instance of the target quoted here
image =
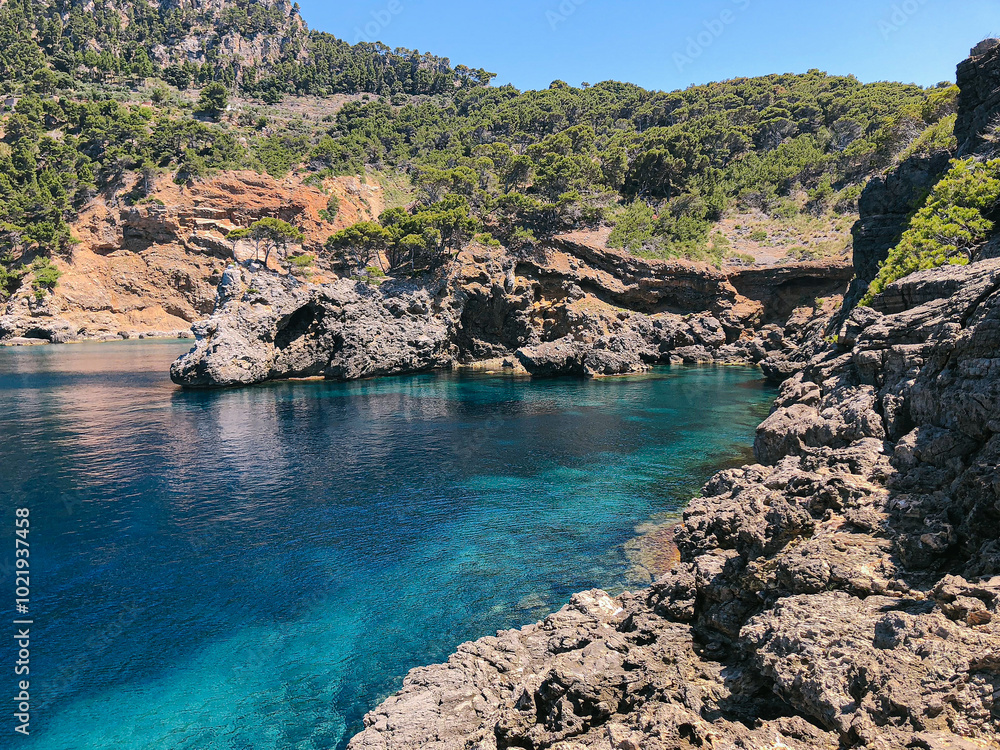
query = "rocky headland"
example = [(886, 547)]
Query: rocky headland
[(163, 266), (565, 308)]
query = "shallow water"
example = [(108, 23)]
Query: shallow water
[(257, 568)]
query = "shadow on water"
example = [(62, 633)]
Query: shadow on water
[(259, 567)]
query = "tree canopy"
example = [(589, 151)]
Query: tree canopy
[(957, 217), (665, 166), (213, 100), (267, 235)]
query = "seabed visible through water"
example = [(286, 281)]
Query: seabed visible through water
[(257, 568)]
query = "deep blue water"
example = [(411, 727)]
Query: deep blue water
[(257, 568)]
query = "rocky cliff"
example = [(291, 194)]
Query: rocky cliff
[(565, 308), (979, 102), (885, 207), (152, 269), (889, 200), (247, 35)]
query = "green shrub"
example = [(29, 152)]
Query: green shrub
[(821, 196), (486, 239), (46, 277), (743, 258), (278, 154), (634, 227), (759, 236), (846, 201), (949, 227), (521, 237), (940, 103), (720, 240), (371, 275), (938, 137), (329, 214), (717, 249), (805, 253), (11, 275), (686, 230), (784, 208), (213, 100)]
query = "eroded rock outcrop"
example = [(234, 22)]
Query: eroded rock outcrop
[(544, 314), (979, 82), (844, 592), (273, 326), (886, 206)]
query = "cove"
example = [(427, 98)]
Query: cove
[(257, 568)]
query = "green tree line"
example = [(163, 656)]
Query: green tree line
[(662, 166)]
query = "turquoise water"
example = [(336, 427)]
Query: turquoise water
[(257, 568)]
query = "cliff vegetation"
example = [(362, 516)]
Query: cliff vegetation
[(104, 99)]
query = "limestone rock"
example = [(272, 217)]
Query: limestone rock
[(267, 326), (154, 267), (270, 326), (886, 206)]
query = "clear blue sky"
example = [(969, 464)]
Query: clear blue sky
[(671, 44)]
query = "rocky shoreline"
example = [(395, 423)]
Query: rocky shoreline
[(837, 589), (840, 593), (584, 311), (18, 341)]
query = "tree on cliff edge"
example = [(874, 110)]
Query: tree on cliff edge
[(361, 244), (267, 235)]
